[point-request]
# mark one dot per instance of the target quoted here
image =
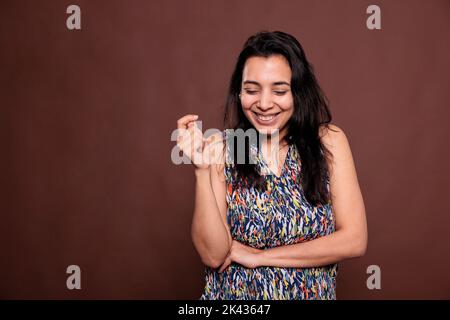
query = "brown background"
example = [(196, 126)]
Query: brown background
[(86, 118)]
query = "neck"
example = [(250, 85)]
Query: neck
[(271, 141), (273, 149)]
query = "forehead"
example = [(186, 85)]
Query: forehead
[(271, 69)]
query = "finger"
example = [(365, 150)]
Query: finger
[(191, 142), (236, 243), (198, 143), (185, 146), (225, 264), (214, 149), (197, 153), (187, 135), (197, 136), (186, 142), (181, 135), (183, 121), (191, 148), (190, 145)]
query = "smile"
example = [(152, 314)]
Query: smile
[(266, 119)]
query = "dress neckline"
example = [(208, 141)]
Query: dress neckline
[(265, 166)]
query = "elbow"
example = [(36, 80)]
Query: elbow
[(212, 263), (360, 251), (359, 247), (212, 257), (354, 242), (217, 261), (209, 257)]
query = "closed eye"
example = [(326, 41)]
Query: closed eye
[(252, 92)]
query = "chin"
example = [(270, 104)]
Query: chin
[(266, 130)]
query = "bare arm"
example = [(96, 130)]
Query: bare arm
[(210, 232), (350, 238)]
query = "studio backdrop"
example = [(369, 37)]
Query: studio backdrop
[(90, 95)]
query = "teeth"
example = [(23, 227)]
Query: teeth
[(265, 118)]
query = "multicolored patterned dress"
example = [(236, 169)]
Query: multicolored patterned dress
[(266, 219)]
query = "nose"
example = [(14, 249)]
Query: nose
[(265, 102)]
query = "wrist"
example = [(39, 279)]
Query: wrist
[(200, 172), (260, 258)]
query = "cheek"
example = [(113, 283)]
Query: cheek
[(247, 104), (286, 104), (287, 101)]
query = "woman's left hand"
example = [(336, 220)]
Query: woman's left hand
[(242, 254)]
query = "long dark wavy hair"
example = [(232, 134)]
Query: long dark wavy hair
[(311, 111)]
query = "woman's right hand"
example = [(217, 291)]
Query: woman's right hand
[(191, 141)]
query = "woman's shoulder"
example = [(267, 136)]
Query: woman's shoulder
[(332, 135), (336, 142)]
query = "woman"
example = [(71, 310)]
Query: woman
[(278, 235)]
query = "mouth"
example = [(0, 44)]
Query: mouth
[(266, 119)]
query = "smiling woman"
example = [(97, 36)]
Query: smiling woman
[(281, 235), (266, 96)]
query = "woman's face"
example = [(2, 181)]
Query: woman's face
[(266, 95)]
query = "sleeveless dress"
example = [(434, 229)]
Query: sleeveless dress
[(279, 216)]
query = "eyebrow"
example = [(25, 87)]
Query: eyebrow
[(277, 83)]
